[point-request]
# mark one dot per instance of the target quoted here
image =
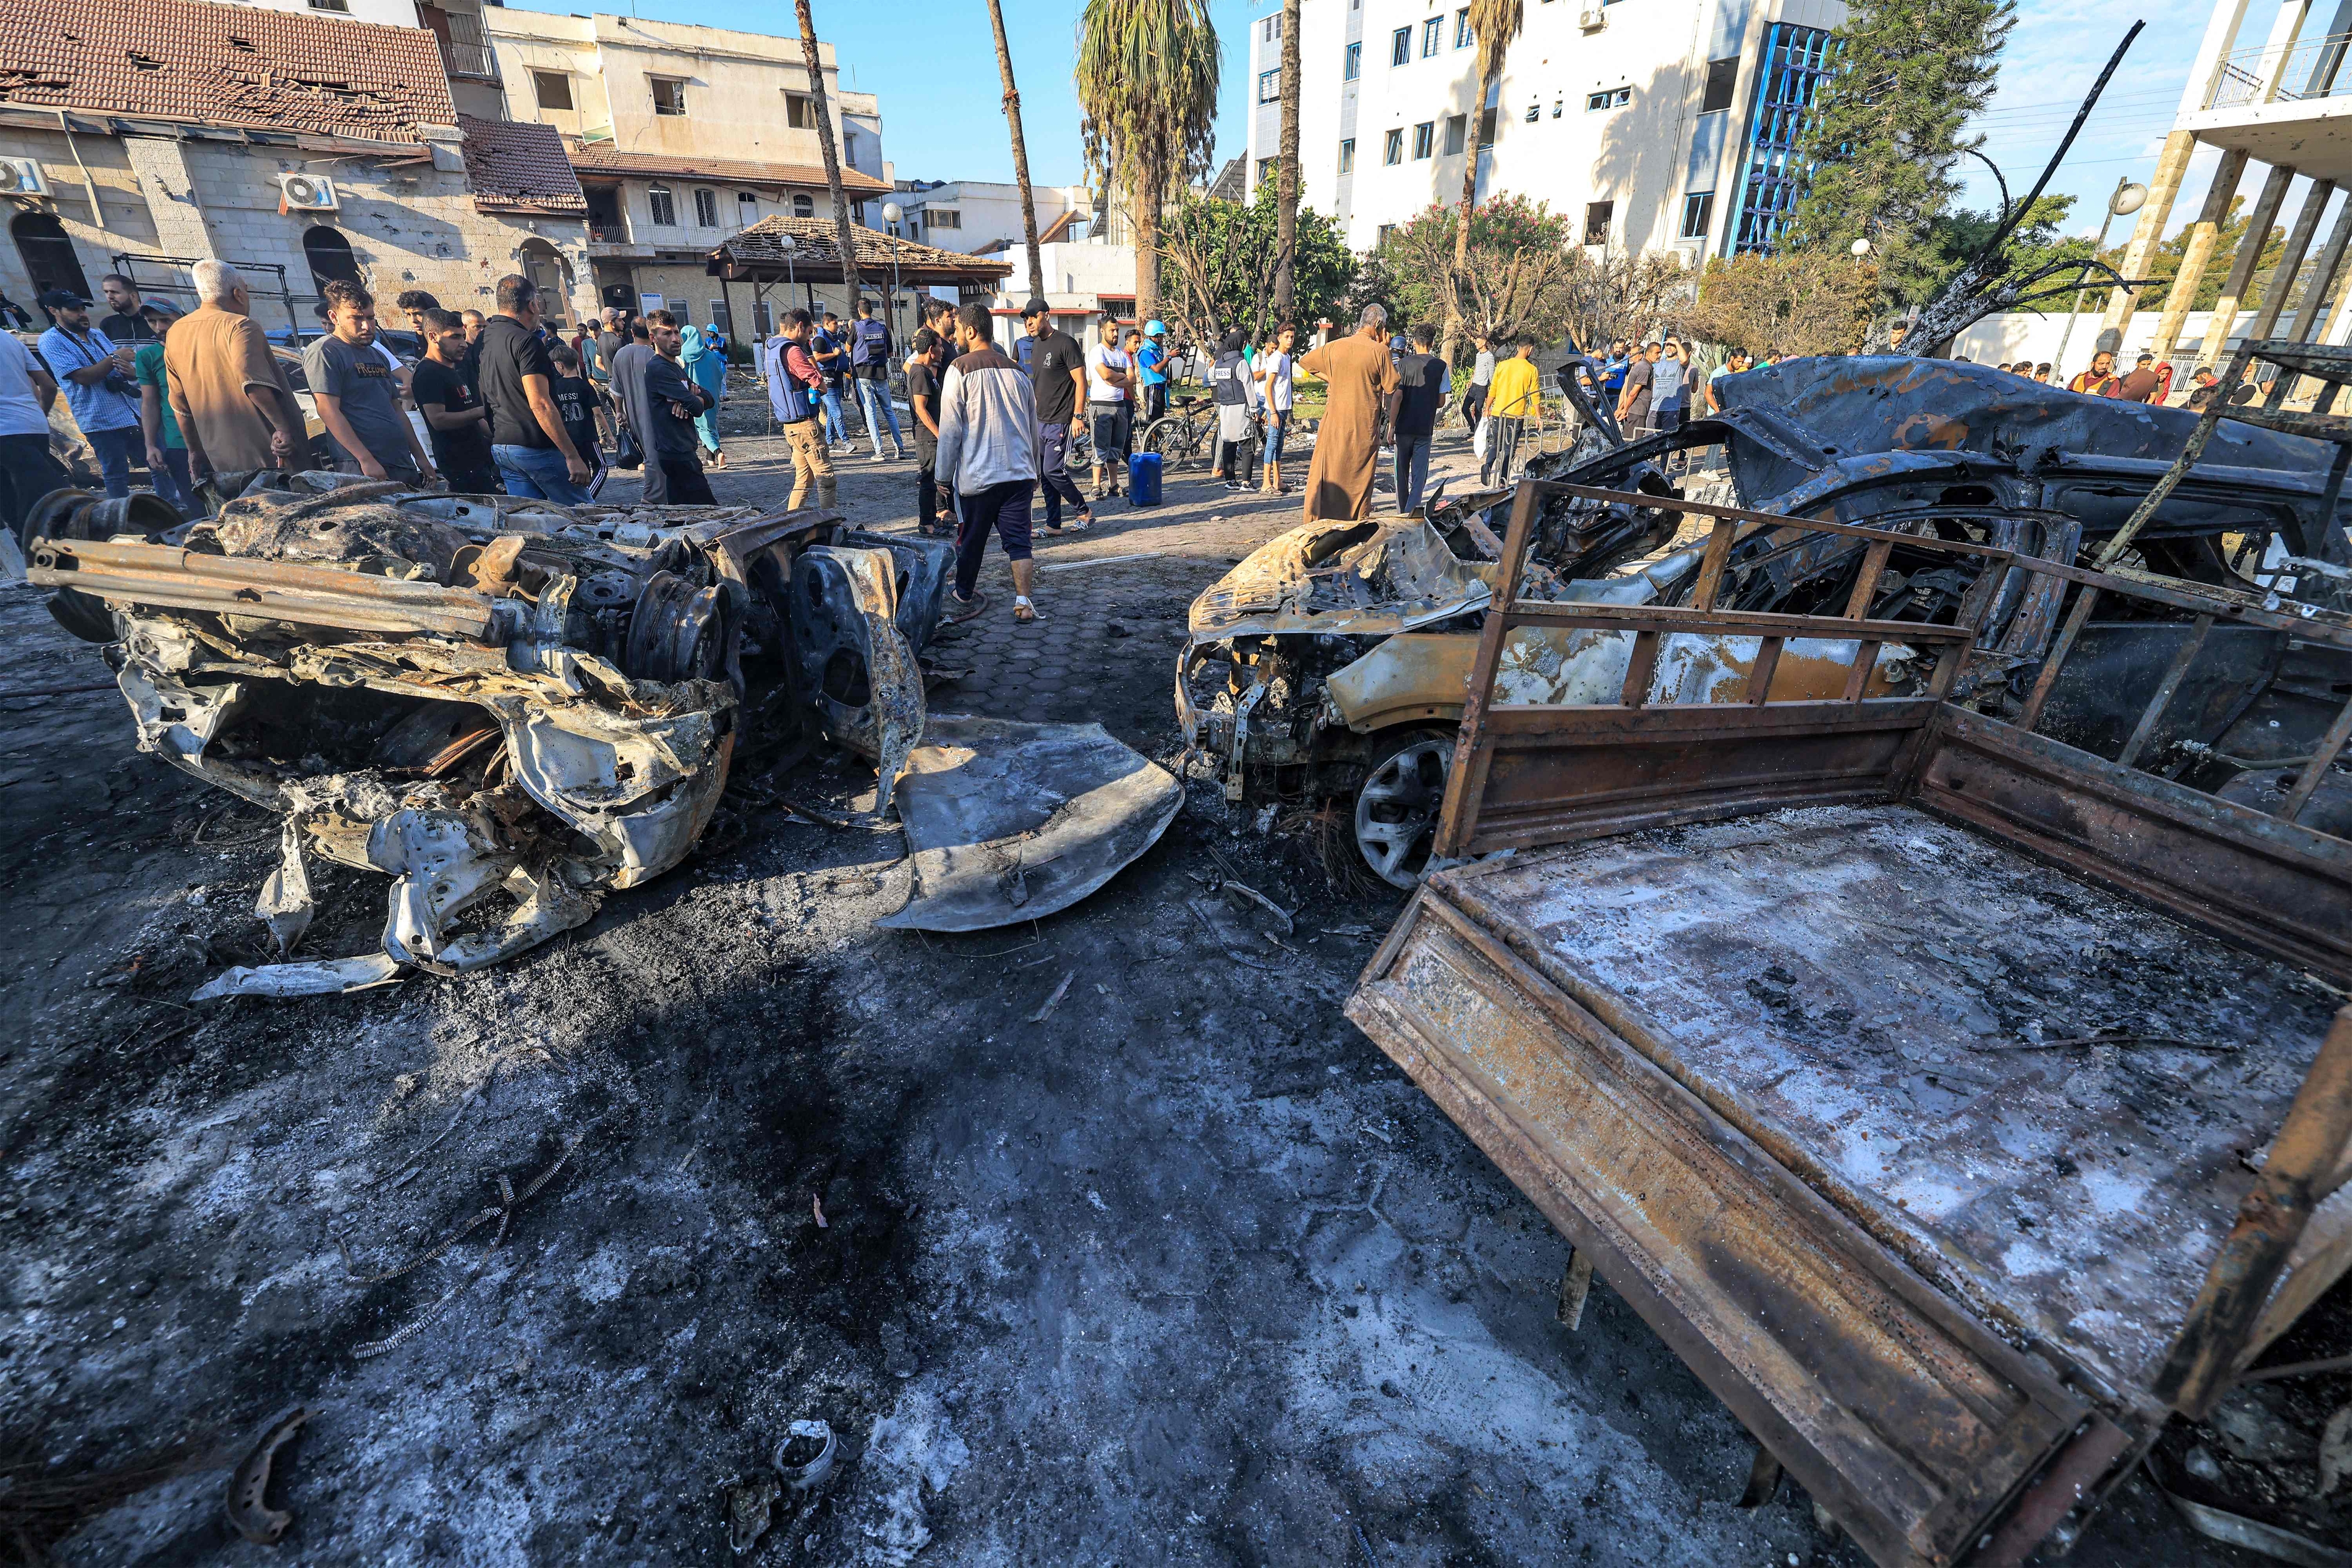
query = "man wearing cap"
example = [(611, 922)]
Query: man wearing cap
[(1151, 363), (167, 449), (96, 376), (2143, 385), (1057, 368)]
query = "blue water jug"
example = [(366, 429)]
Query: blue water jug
[(1143, 479)]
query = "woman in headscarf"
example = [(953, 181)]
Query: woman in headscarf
[(708, 368)]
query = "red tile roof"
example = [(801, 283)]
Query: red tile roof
[(519, 166), (223, 64), (816, 251), (603, 158)]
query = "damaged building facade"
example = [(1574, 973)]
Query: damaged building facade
[(301, 147)]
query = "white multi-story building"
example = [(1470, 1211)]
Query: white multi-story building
[(1655, 124), (983, 216)]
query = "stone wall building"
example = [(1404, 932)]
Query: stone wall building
[(299, 147), (681, 137)]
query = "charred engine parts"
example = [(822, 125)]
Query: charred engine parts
[(510, 712)]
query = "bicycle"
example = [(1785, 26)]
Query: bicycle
[(1185, 435)]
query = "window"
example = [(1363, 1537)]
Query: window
[(1615, 98), (1535, 112), (1486, 128), (799, 111), (1424, 137), (705, 209), (1462, 37), (663, 206), (1596, 222), (1433, 34), (1457, 131), (1354, 63), (555, 88), (849, 148), (1270, 30), (1698, 211), (1267, 170), (1269, 86), (943, 218), (804, 204), (1382, 238), (670, 95), (1401, 46), (343, 6), (1392, 148), (1788, 72), (747, 208), (722, 318), (1722, 75), (1348, 156)]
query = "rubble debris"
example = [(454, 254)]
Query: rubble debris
[(805, 1458), (313, 978), (1010, 822), (1046, 1011), (750, 1508), (511, 709), (2253, 1535), (1244, 895), (249, 1484)]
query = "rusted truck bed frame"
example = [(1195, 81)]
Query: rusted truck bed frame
[(1940, 1416)]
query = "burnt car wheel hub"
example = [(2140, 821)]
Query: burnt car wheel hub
[(1396, 809)]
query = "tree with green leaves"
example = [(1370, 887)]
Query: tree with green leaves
[(1884, 138), (1222, 259), (1147, 81), (1493, 25)]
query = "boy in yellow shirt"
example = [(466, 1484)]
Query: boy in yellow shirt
[(1515, 397)]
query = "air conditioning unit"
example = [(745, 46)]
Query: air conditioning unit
[(1592, 18), (22, 177), (306, 194)]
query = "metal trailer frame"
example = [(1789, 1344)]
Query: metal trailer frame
[(1933, 1428), (128, 263)]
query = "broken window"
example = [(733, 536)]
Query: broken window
[(553, 88), (1458, 133), (1424, 137), (1392, 148), (705, 209), (670, 95), (1596, 217), (799, 111), (1722, 77)]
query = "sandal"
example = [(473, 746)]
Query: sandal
[(955, 609), (1022, 609), (1075, 526)]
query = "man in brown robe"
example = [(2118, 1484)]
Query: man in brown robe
[(1358, 376)]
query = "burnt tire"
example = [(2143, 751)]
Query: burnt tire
[(1397, 803)]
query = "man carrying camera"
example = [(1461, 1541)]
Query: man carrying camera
[(95, 375)]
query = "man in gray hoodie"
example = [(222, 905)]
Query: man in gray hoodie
[(988, 456)]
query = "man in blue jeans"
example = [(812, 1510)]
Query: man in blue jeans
[(529, 441), (869, 363), (95, 375)]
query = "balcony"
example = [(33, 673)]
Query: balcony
[(608, 231), (2309, 69)]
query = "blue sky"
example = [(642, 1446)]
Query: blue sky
[(933, 63)]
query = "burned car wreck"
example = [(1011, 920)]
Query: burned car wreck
[(1333, 663), (511, 709)]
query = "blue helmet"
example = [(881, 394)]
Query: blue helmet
[(1155, 329)]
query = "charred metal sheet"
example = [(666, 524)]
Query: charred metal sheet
[(852, 664), (1010, 822)]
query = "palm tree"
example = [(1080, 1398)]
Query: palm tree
[(1286, 188), (1148, 87), (1494, 23), (842, 234), (1020, 152)]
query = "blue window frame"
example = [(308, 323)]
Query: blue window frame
[(1795, 60), (1355, 66)]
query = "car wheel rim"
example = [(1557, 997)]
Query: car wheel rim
[(1396, 810)]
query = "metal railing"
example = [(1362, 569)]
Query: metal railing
[(2310, 68)]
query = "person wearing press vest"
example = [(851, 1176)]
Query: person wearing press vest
[(795, 385), (95, 375), (869, 363)]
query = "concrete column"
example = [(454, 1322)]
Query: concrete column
[(2331, 261), (2198, 252), (2171, 164), (2298, 244), (170, 187), (2241, 267)]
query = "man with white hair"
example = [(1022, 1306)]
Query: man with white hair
[(234, 406), (1358, 376)]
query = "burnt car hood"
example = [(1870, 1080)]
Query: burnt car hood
[(1359, 579)]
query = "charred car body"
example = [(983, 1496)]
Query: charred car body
[(1334, 660), (510, 708)]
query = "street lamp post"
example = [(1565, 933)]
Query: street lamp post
[(788, 245), (891, 213), (2128, 195)]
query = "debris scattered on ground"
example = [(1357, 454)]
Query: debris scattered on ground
[(1044, 1012), (249, 1484)]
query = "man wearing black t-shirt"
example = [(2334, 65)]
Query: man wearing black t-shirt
[(535, 454), (923, 403), (126, 324), (453, 410), (1057, 368), (1412, 416)]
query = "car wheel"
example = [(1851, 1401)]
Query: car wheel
[(1397, 805)]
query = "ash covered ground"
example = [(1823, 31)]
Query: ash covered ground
[(1184, 1271)]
